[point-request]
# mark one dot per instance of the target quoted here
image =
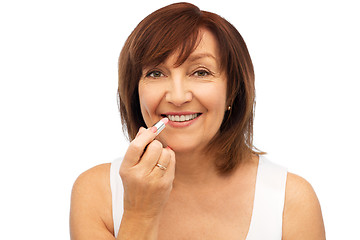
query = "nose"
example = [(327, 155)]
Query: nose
[(178, 92)]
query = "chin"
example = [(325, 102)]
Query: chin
[(184, 142), (182, 149), (187, 147)]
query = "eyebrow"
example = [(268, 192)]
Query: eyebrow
[(195, 57)]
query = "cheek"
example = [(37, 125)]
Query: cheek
[(149, 100), (213, 98)]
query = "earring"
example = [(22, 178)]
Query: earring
[(229, 108)]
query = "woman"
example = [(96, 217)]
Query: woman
[(200, 178)]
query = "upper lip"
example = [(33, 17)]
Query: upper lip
[(179, 113)]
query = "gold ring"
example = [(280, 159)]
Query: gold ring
[(161, 166)]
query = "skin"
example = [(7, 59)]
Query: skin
[(184, 205), (198, 85)]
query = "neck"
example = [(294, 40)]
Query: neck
[(195, 170)]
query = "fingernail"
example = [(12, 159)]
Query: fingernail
[(160, 125), (153, 129)]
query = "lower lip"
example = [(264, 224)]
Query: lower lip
[(182, 124)]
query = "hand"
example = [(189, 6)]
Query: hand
[(146, 186)]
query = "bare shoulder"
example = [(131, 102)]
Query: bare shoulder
[(302, 211), (90, 211), (96, 175)]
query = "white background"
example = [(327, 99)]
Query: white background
[(59, 117)]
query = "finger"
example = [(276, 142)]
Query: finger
[(151, 156), (141, 130), (163, 162), (137, 146), (170, 169)]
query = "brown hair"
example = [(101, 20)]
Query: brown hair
[(176, 27)]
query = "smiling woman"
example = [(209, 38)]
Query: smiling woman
[(192, 96), (201, 177), (178, 42)]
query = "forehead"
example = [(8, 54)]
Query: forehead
[(206, 48), (207, 43)]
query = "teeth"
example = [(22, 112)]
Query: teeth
[(182, 118)]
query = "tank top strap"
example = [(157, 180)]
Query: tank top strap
[(267, 216), (117, 193)]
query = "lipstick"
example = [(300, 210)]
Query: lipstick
[(160, 125)]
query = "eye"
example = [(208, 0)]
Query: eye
[(201, 73), (154, 74)]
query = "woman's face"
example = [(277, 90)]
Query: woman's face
[(192, 96)]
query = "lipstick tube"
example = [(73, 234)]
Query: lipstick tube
[(160, 125)]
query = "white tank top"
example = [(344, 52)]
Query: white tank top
[(267, 214)]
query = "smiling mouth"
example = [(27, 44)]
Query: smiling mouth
[(181, 118)]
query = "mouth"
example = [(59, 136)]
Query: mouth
[(181, 117)]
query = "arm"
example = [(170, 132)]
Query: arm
[(90, 211), (302, 212), (146, 190), (91, 214)]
